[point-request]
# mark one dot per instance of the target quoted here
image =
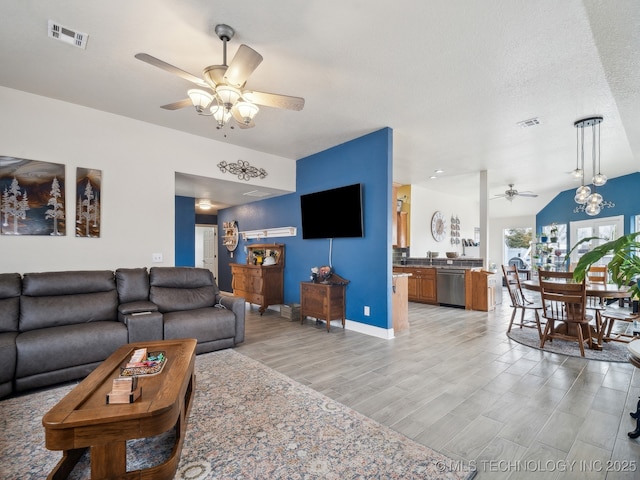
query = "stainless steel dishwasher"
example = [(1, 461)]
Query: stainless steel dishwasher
[(450, 283)]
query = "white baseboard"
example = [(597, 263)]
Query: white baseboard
[(385, 333)]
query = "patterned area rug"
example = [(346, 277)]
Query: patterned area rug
[(611, 351), (247, 421)]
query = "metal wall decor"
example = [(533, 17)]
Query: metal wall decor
[(31, 197), (88, 202), (242, 169)]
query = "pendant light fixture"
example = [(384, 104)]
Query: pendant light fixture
[(588, 199)]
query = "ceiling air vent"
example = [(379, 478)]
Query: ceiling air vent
[(256, 193), (66, 35), (532, 122)]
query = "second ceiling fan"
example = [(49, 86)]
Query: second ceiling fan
[(222, 93), (511, 193)]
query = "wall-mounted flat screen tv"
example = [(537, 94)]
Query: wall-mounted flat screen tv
[(335, 213)]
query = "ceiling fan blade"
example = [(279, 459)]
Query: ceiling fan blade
[(167, 67), (179, 104), (527, 194), (245, 61), (274, 100)]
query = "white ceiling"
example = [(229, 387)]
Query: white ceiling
[(451, 77)]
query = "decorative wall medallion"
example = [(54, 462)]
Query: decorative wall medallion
[(438, 227), (242, 169)]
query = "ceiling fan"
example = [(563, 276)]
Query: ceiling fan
[(511, 193), (222, 93)]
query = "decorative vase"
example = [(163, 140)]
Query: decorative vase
[(544, 239), (554, 239)]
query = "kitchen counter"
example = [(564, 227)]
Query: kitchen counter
[(440, 262)]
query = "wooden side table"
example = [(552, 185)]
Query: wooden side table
[(324, 301)]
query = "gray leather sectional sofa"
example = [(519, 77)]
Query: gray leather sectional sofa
[(58, 326)]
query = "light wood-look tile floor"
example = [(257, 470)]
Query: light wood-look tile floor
[(454, 382)]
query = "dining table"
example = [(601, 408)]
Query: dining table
[(597, 290)]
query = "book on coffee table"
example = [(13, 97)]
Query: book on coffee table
[(124, 390)]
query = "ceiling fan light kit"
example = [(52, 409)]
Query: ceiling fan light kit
[(589, 200), (200, 99), (227, 99)]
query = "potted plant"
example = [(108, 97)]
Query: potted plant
[(624, 267), (553, 233)]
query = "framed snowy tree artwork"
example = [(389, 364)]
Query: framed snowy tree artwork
[(88, 184), (31, 197)]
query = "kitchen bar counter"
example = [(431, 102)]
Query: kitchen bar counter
[(400, 302)]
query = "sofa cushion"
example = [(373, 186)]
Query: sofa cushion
[(175, 299), (10, 287), (181, 277), (203, 324), (67, 283), (7, 356), (50, 349), (53, 299), (181, 288), (132, 284), (57, 310)]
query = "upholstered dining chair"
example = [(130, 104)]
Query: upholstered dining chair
[(519, 302), (564, 301)]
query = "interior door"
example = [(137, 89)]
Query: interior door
[(207, 248), (607, 228)]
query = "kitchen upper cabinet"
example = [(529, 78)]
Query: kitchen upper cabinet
[(400, 223), (402, 234)]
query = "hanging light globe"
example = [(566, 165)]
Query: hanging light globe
[(599, 179), (582, 192), (594, 198), (592, 209)]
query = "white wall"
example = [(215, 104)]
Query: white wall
[(138, 162), (424, 203)]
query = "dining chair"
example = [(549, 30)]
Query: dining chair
[(564, 302), (614, 314), (597, 274), (519, 302)]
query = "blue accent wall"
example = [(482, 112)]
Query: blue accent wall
[(185, 241), (365, 262), (623, 191)]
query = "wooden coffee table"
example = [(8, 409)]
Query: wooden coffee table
[(83, 419)]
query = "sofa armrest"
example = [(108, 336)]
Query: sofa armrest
[(237, 306), (144, 326), (137, 307)]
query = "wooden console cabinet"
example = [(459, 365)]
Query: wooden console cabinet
[(324, 301), (260, 283)]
